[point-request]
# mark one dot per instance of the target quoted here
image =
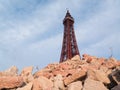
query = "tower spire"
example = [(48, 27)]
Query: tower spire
[(69, 46)]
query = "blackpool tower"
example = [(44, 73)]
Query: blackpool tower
[(69, 45)]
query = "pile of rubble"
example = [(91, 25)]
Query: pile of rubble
[(90, 73)]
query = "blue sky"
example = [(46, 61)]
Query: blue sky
[(31, 31)]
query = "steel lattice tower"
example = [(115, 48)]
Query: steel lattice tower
[(69, 46)]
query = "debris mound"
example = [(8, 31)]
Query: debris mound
[(89, 73)]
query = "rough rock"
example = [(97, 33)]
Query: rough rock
[(62, 72), (116, 87), (98, 75), (88, 58), (36, 85), (74, 77), (111, 63), (75, 86), (26, 87), (42, 83), (12, 71), (77, 57), (10, 82), (88, 66), (116, 76), (45, 72), (97, 62), (90, 84), (27, 74), (58, 82), (103, 68)]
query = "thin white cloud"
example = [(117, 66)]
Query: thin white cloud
[(101, 31)]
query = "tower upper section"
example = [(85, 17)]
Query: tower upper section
[(68, 17), (69, 46)]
